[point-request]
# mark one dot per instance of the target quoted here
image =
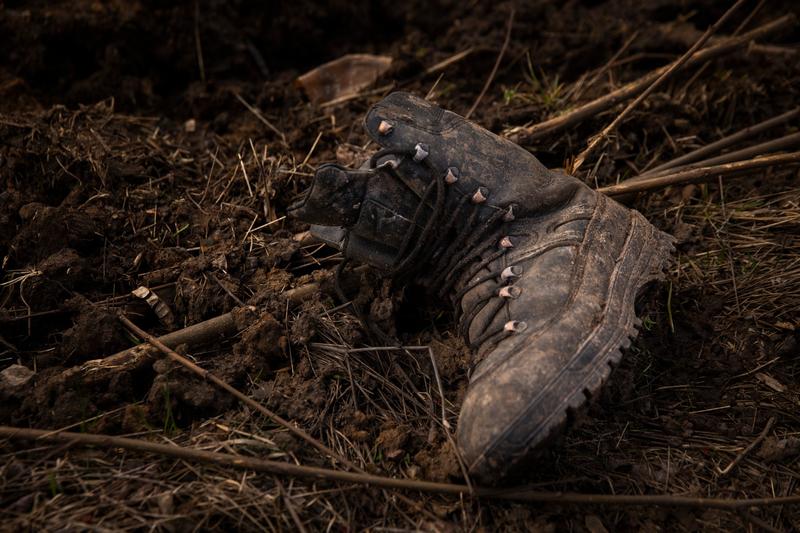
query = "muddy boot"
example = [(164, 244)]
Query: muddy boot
[(542, 271)]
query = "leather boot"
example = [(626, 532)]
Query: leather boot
[(542, 270)]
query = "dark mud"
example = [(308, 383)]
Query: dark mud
[(127, 159)]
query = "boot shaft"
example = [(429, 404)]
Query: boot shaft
[(436, 173)]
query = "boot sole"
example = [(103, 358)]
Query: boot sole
[(651, 264), (656, 261)]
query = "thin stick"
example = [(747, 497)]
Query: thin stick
[(759, 522), (441, 65), (490, 79), (749, 17), (195, 335), (313, 147), (233, 297), (737, 155), (750, 447), (590, 109), (430, 93), (208, 376), (737, 31), (260, 117), (603, 135), (700, 174), (290, 507), (198, 46), (746, 133), (204, 332), (246, 179), (205, 374), (605, 68), (446, 424), (92, 419), (521, 494), (355, 96), (210, 173), (268, 224)]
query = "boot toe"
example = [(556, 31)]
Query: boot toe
[(496, 433)]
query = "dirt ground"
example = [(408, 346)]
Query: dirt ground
[(135, 151)]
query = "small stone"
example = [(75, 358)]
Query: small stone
[(162, 366), (774, 449), (190, 125), (595, 525), (14, 378)]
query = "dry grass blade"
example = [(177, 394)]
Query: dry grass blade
[(492, 74), (455, 58), (577, 89), (261, 117)]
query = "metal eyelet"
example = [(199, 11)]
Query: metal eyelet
[(385, 127), (511, 272), (480, 196), (421, 151), (509, 216), (509, 291), (515, 326), (505, 242), (452, 176)]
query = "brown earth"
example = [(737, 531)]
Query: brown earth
[(128, 159)]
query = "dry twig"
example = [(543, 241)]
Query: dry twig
[(750, 447), (696, 175), (260, 117), (519, 494), (195, 335), (761, 149), (729, 140), (495, 67)]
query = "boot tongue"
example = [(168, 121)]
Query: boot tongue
[(334, 199), (364, 213)]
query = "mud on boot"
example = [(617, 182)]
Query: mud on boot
[(542, 271)]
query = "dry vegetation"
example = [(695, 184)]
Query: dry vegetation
[(140, 165)]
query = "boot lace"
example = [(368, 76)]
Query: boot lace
[(439, 250)]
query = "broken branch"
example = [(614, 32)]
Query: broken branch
[(756, 150), (696, 175), (97, 370), (711, 148)]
